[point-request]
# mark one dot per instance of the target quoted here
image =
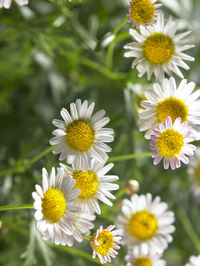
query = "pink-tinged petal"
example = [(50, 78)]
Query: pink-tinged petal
[(168, 122), (166, 163)]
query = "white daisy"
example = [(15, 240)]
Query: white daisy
[(7, 3), (171, 142), (194, 261), (146, 223), (80, 136), (53, 204), (143, 12), (142, 256), (168, 100), (94, 184), (194, 172), (159, 50), (80, 228), (105, 242)]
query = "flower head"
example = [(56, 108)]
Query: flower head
[(194, 172), (166, 99), (171, 143), (53, 204), (143, 12), (142, 256), (194, 261), (105, 242), (159, 50), (7, 3), (146, 222), (81, 136), (94, 184)]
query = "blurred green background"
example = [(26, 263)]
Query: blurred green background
[(51, 53)]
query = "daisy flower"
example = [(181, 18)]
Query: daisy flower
[(146, 223), (142, 256), (171, 143), (194, 261), (7, 3), (168, 100), (143, 12), (81, 136), (94, 184), (194, 172), (80, 228), (159, 50), (53, 204), (105, 243)]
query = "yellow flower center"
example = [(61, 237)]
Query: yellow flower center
[(143, 225), (80, 135), (158, 48), (106, 242), (87, 182), (198, 173), (170, 142), (142, 262), (142, 11), (53, 205), (172, 107)]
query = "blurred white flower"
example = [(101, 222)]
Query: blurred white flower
[(7, 3), (194, 172), (159, 50), (171, 142), (143, 256), (146, 223), (105, 243), (188, 12), (194, 261)]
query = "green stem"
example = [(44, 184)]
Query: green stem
[(109, 57), (22, 167), (39, 156), (129, 156), (79, 253), (87, 237), (189, 228), (103, 70), (16, 207)]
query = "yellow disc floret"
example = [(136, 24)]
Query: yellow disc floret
[(142, 11), (172, 107), (105, 242), (198, 173), (143, 225), (142, 262), (53, 205), (87, 182), (158, 48), (170, 142), (80, 135)]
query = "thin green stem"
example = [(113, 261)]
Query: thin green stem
[(79, 253), (87, 237), (20, 168), (39, 156), (16, 207), (189, 228), (109, 57), (129, 156)]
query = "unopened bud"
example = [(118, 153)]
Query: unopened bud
[(132, 187)]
